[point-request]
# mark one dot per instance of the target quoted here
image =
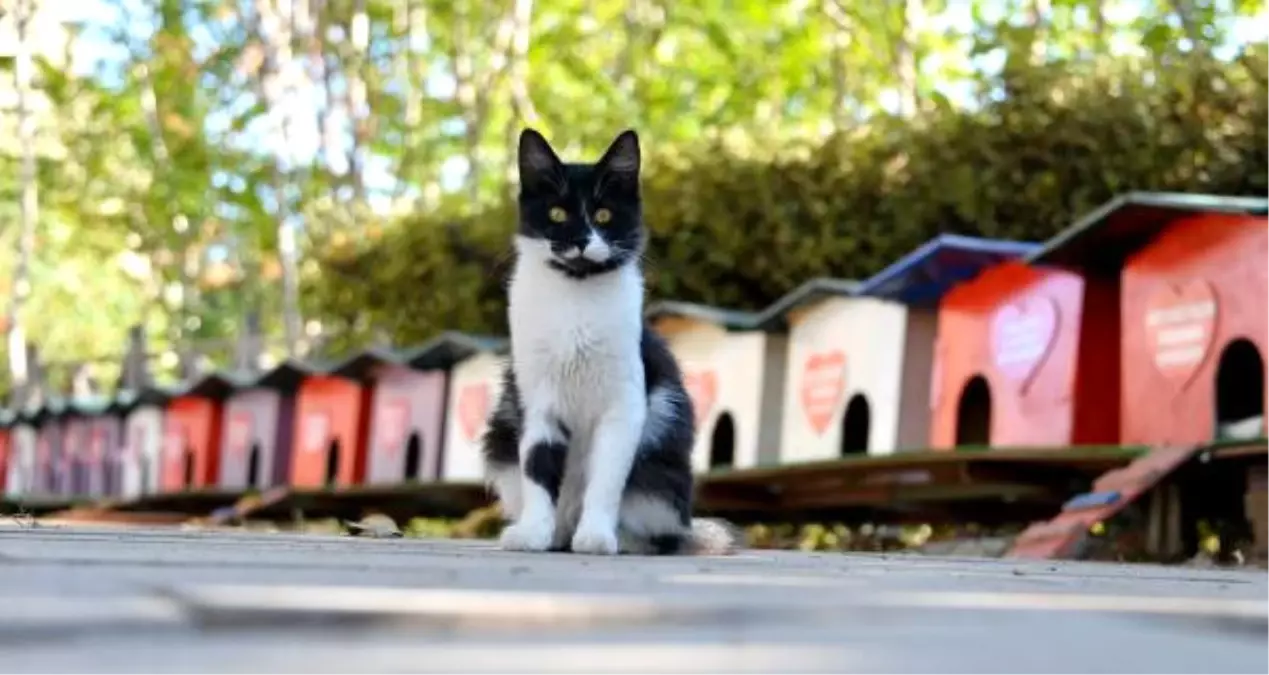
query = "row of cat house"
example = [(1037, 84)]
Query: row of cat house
[(1143, 323), (380, 416)]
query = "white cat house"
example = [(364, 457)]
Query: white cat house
[(474, 386), (733, 372), (20, 478), (861, 355), (137, 459)]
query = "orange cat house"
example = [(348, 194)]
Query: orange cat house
[(9, 467), (330, 432), (1186, 278), (474, 386), (191, 434), (733, 372)]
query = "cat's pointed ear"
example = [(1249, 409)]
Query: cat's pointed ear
[(621, 161), (539, 166)]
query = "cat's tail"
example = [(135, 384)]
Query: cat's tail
[(712, 536)]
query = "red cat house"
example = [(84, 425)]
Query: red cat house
[(733, 371), (191, 434), (474, 385), (1184, 335), (408, 403), (331, 426), (259, 428), (1021, 359), (9, 468)]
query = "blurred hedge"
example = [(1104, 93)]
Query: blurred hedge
[(740, 227)]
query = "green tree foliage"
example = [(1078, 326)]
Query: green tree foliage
[(740, 226)]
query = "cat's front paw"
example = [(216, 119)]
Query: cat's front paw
[(527, 536), (595, 540)]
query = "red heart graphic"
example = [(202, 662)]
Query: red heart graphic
[(702, 388), (1180, 327), (316, 432), (173, 452), (392, 424), (823, 383), (239, 434), (473, 405), (1022, 335)]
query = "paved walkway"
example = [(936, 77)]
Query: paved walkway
[(100, 600)]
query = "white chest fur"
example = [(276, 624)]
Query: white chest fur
[(575, 343)]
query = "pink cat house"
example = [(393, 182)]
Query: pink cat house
[(84, 446), (408, 403), (259, 428), (52, 469)]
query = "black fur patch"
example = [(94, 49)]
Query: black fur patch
[(545, 466)]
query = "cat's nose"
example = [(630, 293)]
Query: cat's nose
[(596, 249), (567, 250)]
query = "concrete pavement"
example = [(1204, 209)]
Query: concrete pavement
[(115, 600)]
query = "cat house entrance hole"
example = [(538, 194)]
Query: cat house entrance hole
[(973, 413), (332, 462), (722, 445), (855, 425), (413, 456), (1240, 390), (189, 466), (253, 464)]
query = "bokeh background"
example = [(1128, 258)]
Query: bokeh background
[(343, 168)]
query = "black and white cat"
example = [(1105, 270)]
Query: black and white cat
[(589, 446)]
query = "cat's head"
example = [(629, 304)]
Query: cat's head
[(580, 219)]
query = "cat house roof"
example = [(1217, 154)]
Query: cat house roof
[(441, 352), (925, 275), (152, 394), (775, 316), (1102, 240), (731, 319)]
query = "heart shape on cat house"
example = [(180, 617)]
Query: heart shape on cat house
[(726, 359), (475, 383), (1183, 350), (860, 354)]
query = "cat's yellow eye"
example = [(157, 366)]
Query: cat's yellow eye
[(557, 214), (603, 216)]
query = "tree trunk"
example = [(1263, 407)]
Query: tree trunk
[(906, 66), (839, 42), (518, 76), (272, 28), (19, 370), (1039, 15)]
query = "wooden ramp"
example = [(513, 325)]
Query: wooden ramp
[(1112, 493)]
